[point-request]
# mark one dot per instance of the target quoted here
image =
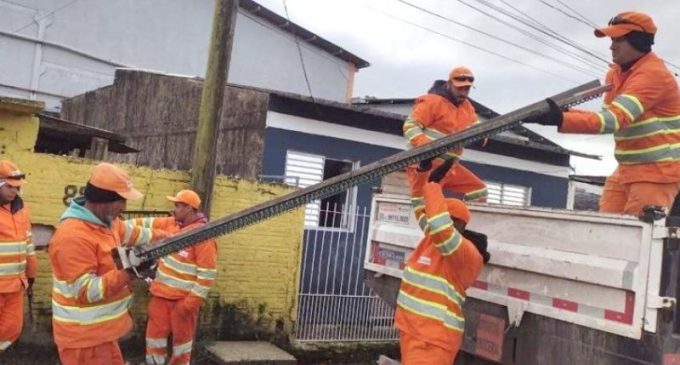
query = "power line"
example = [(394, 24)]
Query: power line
[(589, 62), (590, 22), (45, 16), (470, 44), (538, 38), (566, 14), (544, 29), (302, 60), (674, 65), (564, 63), (551, 34)]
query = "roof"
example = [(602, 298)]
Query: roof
[(532, 139), (21, 105), (69, 135), (355, 115), (260, 11)]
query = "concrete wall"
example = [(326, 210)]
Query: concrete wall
[(258, 267), (77, 48)]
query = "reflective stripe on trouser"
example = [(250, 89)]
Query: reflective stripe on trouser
[(166, 318), (11, 317), (459, 180), (181, 353), (415, 351), (156, 350)]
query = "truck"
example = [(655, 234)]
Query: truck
[(562, 286)]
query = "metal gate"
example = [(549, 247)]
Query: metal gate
[(334, 305)]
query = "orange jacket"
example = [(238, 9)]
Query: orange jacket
[(435, 116), (189, 272), (17, 253), (643, 112), (90, 296), (437, 273)]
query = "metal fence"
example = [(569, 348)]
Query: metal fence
[(334, 305)]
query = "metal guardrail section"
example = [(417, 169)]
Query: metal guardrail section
[(364, 174)]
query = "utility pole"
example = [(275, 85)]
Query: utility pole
[(212, 98)]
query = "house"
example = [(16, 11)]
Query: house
[(61, 49)]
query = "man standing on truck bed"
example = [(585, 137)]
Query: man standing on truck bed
[(445, 263), (444, 110), (642, 110)]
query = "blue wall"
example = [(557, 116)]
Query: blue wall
[(547, 191)]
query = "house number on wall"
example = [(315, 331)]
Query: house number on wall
[(70, 192)]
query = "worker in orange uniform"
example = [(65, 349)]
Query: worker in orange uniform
[(90, 296), (445, 263), (445, 110), (642, 110), (18, 265), (181, 285)]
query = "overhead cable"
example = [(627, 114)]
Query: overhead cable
[(470, 44), (551, 34), (527, 49), (590, 62)]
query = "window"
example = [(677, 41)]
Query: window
[(507, 194), (303, 170)]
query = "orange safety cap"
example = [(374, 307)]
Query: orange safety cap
[(625, 23), (112, 178), (458, 209), (461, 76), (10, 174), (188, 197)]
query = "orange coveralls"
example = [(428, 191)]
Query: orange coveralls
[(429, 312), (643, 112), (434, 116), (180, 287), (17, 263)]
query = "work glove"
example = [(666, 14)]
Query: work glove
[(425, 165), (552, 117), (438, 173), (145, 270), (480, 241)]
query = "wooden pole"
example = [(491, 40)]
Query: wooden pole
[(212, 98)]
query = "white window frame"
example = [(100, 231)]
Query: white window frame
[(304, 176)]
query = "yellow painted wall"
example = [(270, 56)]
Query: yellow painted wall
[(257, 266)]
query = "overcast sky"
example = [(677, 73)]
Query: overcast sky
[(405, 58)]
